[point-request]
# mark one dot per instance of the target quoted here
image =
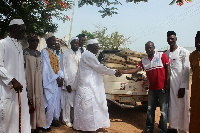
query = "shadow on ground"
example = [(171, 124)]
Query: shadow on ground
[(122, 121), (134, 116)]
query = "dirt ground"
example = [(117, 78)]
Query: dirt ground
[(122, 121)]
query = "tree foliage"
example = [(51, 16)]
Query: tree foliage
[(180, 2), (112, 41), (37, 14), (108, 6)]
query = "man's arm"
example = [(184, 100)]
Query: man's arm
[(6, 77), (167, 77), (131, 71), (166, 64), (185, 75), (185, 71), (4, 74), (191, 61), (93, 62)]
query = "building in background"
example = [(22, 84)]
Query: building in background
[(42, 44)]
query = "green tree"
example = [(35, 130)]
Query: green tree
[(88, 34), (112, 41), (37, 14), (116, 40)]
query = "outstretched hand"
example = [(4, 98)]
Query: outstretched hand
[(118, 73)]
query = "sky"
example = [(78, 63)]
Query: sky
[(140, 22)]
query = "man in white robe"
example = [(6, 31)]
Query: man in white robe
[(52, 80), (179, 85), (70, 60), (90, 107), (12, 74)]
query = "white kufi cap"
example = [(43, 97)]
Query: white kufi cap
[(48, 35), (92, 41), (16, 21), (73, 38)]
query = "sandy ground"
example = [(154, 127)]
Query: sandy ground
[(122, 121)]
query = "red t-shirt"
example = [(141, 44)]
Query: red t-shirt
[(155, 70)]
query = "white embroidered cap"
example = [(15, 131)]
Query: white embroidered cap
[(92, 41), (16, 21), (73, 38), (48, 35)]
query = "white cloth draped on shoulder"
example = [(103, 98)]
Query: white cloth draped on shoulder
[(52, 93), (90, 108)]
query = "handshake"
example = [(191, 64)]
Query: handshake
[(118, 73)]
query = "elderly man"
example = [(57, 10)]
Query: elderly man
[(52, 80), (33, 69), (12, 74), (156, 65), (70, 60), (179, 86), (81, 38), (90, 108)]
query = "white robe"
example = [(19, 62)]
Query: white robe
[(180, 72), (70, 60), (12, 66), (52, 93), (79, 49), (90, 108)]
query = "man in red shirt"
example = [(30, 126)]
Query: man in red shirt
[(156, 65)]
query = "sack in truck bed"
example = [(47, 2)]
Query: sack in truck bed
[(128, 88), (114, 59)]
